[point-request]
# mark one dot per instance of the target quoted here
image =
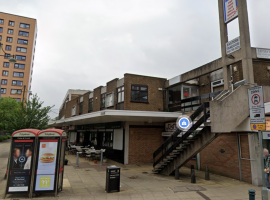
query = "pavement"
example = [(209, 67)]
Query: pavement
[(137, 183)]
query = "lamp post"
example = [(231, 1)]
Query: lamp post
[(12, 60)]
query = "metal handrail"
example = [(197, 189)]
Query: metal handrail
[(172, 140)]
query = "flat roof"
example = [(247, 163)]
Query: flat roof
[(105, 116), (18, 15)]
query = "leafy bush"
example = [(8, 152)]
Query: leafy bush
[(1, 139), (4, 137)]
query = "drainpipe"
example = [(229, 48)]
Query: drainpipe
[(239, 157)]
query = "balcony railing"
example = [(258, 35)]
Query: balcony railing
[(191, 103)]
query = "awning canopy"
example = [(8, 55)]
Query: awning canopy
[(105, 116)]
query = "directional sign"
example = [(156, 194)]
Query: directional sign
[(256, 108)]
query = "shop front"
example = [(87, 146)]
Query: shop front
[(109, 136)]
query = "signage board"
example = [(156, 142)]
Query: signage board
[(230, 10), (263, 53), (256, 108), (170, 127), (265, 135), (20, 165), (267, 121), (233, 45), (46, 164)]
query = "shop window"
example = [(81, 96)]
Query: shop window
[(120, 94), (81, 138), (139, 93), (102, 101), (90, 107), (93, 138), (107, 140)]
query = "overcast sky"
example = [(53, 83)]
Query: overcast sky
[(85, 43)]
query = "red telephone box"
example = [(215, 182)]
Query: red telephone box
[(20, 165), (50, 160)]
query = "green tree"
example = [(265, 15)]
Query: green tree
[(29, 114), (8, 108)]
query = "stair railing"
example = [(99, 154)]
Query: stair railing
[(173, 141)]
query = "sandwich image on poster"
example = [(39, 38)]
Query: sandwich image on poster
[(47, 157)]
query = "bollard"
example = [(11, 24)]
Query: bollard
[(252, 194), (193, 177), (77, 161), (191, 168), (207, 177), (177, 174)]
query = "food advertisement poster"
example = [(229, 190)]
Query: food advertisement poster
[(20, 166), (46, 165)]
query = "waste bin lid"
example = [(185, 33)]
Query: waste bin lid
[(113, 167)]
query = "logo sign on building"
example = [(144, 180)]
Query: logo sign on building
[(256, 108), (263, 53), (233, 45), (230, 10), (170, 127)]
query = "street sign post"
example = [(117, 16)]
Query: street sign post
[(233, 45), (256, 108)]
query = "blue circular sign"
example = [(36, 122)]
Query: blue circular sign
[(184, 123), (21, 159)]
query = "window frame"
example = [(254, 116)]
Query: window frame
[(17, 84), (8, 49), (9, 41), (11, 22), (19, 64), (23, 42), (122, 91), (1, 28), (5, 65), (20, 57), (81, 108), (19, 73), (2, 21), (102, 97), (10, 30), (16, 92), (23, 32), (5, 89), (2, 81), (5, 71), (139, 85), (91, 101), (21, 48), (24, 25)]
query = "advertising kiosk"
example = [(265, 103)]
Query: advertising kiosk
[(50, 160), (21, 161)]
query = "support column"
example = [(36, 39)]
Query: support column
[(254, 154), (126, 147), (246, 54), (223, 41)]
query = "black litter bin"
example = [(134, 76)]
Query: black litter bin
[(112, 179)]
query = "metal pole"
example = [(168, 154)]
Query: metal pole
[(23, 93), (264, 189), (101, 157), (239, 157), (77, 161)]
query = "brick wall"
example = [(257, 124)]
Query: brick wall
[(111, 87), (143, 141), (261, 74), (96, 99), (221, 157), (155, 97), (85, 102), (69, 106)]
